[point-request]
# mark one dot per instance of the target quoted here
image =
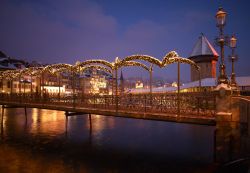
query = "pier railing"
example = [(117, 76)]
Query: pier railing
[(201, 104)]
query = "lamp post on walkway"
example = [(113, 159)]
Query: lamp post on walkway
[(221, 21), (233, 58)]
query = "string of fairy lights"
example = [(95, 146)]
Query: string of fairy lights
[(99, 64)]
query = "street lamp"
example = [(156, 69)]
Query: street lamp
[(233, 58), (221, 21)]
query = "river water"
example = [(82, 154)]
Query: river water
[(46, 142)]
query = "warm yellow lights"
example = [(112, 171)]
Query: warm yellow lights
[(138, 84), (171, 57), (174, 84), (53, 89), (97, 84)]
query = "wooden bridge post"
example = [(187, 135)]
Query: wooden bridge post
[(2, 133), (90, 122), (2, 114), (90, 130), (66, 122), (25, 111)]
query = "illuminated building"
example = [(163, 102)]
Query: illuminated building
[(94, 82), (139, 84), (174, 84)]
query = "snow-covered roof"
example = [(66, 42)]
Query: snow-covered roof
[(203, 47), (10, 66), (155, 90), (207, 82), (243, 80)]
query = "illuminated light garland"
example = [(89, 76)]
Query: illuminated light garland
[(112, 65), (142, 57), (97, 67), (10, 74), (132, 63), (56, 68), (182, 60), (37, 71), (30, 71), (169, 58), (1, 74), (96, 61)]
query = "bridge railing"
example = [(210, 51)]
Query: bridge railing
[(190, 103), (201, 104)]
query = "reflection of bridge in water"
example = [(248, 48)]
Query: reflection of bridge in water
[(189, 108)]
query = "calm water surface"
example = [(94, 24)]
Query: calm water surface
[(46, 142)]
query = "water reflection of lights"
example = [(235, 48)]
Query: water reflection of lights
[(100, 123), (46, 121), (3, 123), (34, 118), (3, 126)]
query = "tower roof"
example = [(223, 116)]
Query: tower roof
[(203, 47)]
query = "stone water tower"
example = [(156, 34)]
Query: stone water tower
[(206, 57)]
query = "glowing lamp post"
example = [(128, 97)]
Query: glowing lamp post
[(221, 21), (233, 58), (221, 17)]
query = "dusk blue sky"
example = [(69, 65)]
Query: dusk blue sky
[(66, 31)]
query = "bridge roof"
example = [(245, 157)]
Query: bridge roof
[(203, 47)]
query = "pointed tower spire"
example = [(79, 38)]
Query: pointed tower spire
[(121, 76), (203, 47), (121, 83)]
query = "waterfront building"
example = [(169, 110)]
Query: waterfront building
[(8, 63)]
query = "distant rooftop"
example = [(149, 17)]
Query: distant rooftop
[(2, 55), (203, 47)]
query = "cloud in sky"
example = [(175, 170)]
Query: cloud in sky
[(62, 33)]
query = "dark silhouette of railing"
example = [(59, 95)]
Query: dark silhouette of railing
[(201, 104)]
